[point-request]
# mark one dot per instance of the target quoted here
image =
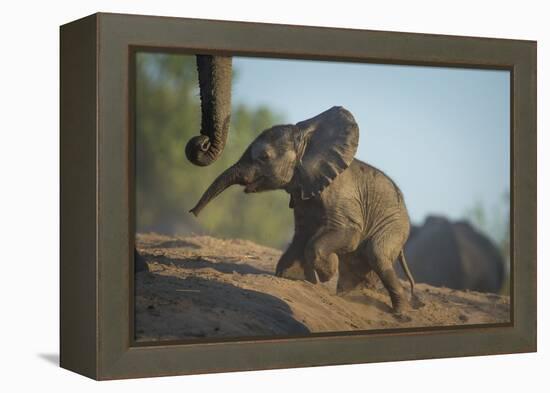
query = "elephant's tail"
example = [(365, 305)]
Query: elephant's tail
[(405, 267)]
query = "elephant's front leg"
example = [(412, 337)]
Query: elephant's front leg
[(322, 250), (292, 264)]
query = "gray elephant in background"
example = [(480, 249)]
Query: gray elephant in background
[(349, 216), (455, 255)]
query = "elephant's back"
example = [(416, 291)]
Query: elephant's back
[(377, 183), (366, 198)]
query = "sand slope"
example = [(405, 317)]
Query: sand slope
[(201, 286)]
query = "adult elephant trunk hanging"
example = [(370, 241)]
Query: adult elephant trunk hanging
[(215, 91)]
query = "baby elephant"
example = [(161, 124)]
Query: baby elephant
[(349, 216)]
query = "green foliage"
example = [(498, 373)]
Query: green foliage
[(167, 185), (495, 223)]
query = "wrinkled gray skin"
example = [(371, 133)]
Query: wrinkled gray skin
[(215, 90), (349, 216)]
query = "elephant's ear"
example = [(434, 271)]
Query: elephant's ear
[(326, 145)]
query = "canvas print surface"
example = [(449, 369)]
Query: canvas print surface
[(284, 198)]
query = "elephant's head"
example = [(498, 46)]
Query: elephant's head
[(302, 159), (215, 91)]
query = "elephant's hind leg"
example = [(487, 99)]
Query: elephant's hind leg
[(323, 248), (382, 251)]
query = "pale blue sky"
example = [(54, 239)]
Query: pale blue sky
[(441, 133)]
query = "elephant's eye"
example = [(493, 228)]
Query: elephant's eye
[(264, 156)]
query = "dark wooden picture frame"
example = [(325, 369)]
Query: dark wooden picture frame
[(97, 231)]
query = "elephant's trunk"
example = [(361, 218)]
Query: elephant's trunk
[(215, 90), (232, 175)]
